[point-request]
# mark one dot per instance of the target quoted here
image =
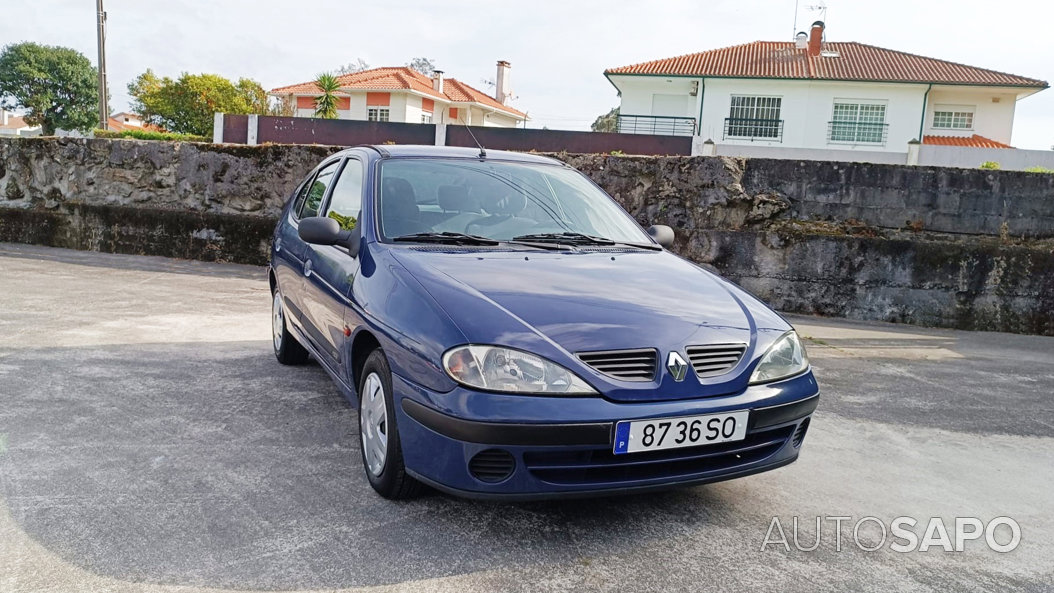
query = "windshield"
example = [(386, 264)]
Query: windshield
[(496, 200)]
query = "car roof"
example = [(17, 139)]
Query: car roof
[(456, 152)]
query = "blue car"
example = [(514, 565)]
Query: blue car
[(508, 331)]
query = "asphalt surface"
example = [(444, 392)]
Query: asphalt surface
[(150, 442)]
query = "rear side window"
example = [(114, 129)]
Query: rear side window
[(314, 192), (346, 200)]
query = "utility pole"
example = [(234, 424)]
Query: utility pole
[(104, 109)]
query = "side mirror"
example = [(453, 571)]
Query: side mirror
[(321, 230), (662, 234)]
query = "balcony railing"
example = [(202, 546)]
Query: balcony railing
[(851, 132), (662, 125), (769, 130)]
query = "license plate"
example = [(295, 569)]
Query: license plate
[(654, 434)]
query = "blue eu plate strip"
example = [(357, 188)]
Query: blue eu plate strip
[(621, 437)]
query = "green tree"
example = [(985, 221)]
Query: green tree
[(326, 103), (423, 65), (186, 105), (607, 122), (56, 86)]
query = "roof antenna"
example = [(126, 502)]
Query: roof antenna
[(482, 151)]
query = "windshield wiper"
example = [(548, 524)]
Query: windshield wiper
[(446, 238), (573, 238)]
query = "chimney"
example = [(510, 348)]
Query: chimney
[(437, 80), (815, 37), (502, 93), (801, 40)]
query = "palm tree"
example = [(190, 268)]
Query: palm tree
[(326, 104)]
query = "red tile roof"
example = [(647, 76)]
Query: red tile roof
[(402, 78), (974, 141), (15, 122), (463, 93), (117, 125), (855, 61)]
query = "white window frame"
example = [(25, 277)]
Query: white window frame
[(426, 117), (378, 114), (967, 113), (858, 103), (773, 103)]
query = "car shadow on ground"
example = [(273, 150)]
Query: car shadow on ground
[(209, 464)]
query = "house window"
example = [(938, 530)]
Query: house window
[(426, 118), (377, 114), (953, 117), (858, 122), (754, 117)]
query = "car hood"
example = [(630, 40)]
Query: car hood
[(559, 303)]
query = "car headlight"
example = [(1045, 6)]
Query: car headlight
[(783, 359), (494, 368)]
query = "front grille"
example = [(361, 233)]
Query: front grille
[(492, 465), (714, 359), (599, 466), (628, 365)]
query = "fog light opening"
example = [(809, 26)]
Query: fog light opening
[(799, 435)]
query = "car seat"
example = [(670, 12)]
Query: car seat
[(399, 212), (502, 222), (455, 198)]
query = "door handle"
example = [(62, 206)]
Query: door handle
[(307, 268)]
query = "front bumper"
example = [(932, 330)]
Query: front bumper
[(525, 457)]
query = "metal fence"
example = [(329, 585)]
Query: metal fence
[(852, 132), (661, 125), (739, 128)]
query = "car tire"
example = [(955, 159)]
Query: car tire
[(286, 349), (382, 455)]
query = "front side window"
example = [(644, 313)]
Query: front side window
[(754, 117), (316, 191), (953, 117), (858, 123), (496, 200), (346, 199), (378, 114)]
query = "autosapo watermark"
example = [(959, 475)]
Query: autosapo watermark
[(870, 534)]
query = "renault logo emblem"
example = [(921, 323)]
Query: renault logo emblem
[(677, 366)]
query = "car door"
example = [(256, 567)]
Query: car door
[(290, 250), (333, 269)]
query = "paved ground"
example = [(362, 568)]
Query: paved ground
[(150, 442)]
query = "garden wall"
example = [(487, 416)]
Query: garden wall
[(942, 247)]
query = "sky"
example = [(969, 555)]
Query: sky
[(558, 49)]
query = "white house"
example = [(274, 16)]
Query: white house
[(814, 94), (404, 95), (15, 125)]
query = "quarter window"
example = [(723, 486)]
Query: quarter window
[(953, 117), (754, 117), (316, 191), (378, 114), (858, 123), (346, 199)]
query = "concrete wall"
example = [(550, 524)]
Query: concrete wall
[(968, 158), (808, 237), (807, 107)]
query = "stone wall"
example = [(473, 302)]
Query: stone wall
[(944, 247)]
